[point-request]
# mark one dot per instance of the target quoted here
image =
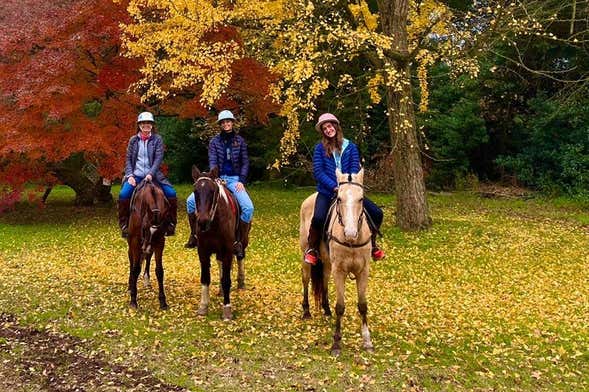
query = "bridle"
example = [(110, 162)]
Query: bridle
[(156, 221), (340, 220), (213, 209)]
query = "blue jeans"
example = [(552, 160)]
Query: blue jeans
[(127, 189), (243, 199)]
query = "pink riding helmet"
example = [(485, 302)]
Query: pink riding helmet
[(325, 117)]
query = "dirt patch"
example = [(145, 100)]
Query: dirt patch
[(33, 360), (496, 191)]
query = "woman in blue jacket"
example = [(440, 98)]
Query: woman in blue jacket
[(145, 153), (334, 152), (228, 152)]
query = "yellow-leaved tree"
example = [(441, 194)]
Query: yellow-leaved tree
[(305, 42)]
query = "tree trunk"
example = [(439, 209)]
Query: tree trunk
[(84, 179), (412, 211)]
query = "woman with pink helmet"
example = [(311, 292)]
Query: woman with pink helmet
[(334, 151)]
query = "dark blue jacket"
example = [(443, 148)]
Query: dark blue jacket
[(239, 157), (324, 167), (155, 152)]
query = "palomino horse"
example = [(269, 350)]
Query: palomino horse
[(346, 251), (217, 219), (147, 226)]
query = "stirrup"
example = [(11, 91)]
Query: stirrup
[(171, 230), (192, 242), (125, 232), (311, 256), (238, 250)]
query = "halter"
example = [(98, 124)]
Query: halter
[(330, 236), (215, 196), (146, 237)]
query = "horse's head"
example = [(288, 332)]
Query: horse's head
[(350, 202), (206, 196), (152, 212)]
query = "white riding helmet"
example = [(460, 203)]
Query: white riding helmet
[(145, 117), (225, 115)]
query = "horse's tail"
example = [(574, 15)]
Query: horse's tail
[(317, 282)]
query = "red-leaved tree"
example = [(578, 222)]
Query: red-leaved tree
[(65, 113)]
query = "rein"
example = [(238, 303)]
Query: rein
[(146, 236)]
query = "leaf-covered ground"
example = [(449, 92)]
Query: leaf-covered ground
[(494, 296)]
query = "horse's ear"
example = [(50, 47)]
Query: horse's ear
[(214, 173), (360, 176), (195, 172), (339, 175)]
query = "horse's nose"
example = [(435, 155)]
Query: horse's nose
[(350, 234)]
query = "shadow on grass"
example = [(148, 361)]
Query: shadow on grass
[(59, 212)]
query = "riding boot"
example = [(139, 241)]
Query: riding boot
[(312, 252), (193, 239), (377, 253), (124, 206), (241, 237), (171, 230)]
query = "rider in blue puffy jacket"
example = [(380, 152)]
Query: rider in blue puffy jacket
[(334, 151), (228, 152)]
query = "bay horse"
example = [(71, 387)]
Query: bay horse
[(147, 226), (345, 251), (217, 214)]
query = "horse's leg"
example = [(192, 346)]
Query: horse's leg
[(306, 277), (220, 266), (159, 272), (339, 278), (226, 260), (205, 281), (325, 294), (134, 271), (241, 274), (361, 285), (146, 281)]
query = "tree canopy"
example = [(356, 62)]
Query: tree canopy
[(67, 90)]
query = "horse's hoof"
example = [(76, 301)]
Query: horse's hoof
[(306, 315), (202, 311), (369, 349), (164, 306), (227, 315), (335, 352), (241, 286), (327, 313), (133, 305)]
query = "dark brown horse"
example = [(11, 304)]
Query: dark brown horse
[(147, 226), (217, 220)]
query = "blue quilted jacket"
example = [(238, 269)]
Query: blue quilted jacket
[(239, 157), (324, 167)]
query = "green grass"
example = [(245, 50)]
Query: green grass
[(493, 296)]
